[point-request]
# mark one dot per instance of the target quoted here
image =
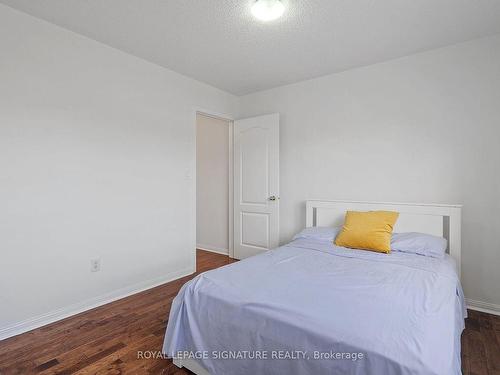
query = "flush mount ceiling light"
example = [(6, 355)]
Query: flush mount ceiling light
[(268, 10)]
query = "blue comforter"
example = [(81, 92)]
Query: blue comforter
[(313, 308)]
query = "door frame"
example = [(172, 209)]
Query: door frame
[(230, 120)]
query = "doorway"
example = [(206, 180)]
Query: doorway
[(237, 184), (214, 181)]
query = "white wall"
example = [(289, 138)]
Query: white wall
[(212, 184), (424, 128), (97, 159)]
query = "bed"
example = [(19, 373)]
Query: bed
[(309, 307)]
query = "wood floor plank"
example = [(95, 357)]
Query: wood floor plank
[(106, 340), (47, 365), (491, 344)]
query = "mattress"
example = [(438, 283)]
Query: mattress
[(310, 307)]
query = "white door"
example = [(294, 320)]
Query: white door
[(256, 185)]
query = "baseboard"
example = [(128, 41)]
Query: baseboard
[(65, 312), (213, 249), (486, 307)]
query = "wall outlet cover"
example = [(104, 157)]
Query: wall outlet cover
[(95, 265)]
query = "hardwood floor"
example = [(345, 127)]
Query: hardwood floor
[(106, 340), (481, 344)]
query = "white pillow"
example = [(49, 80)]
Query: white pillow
[(419, 243), (318, 233)]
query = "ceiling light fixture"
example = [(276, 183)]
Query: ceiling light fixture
[(268, 10)]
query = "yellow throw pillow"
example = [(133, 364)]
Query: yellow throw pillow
[(370, 230)]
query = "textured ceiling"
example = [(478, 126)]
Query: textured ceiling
[(218, 41)]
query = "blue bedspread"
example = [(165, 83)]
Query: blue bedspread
[(310, 301)]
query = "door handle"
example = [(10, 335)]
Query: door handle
[(273, 198)]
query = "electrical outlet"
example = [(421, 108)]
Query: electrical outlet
[(95, 265)]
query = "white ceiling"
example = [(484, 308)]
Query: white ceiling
[(220, 43)]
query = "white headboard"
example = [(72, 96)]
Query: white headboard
[(438, 219)]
